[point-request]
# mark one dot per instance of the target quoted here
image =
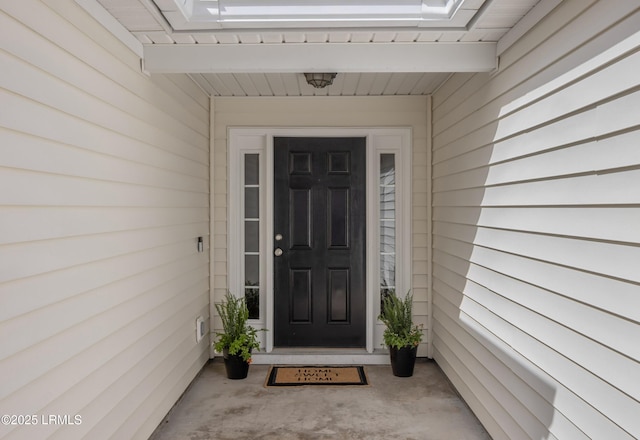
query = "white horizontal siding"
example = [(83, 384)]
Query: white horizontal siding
[(105, 177), (536, 246), (329, 111)]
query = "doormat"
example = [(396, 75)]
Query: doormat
[(313, 375)]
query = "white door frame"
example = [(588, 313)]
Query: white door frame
[(260, 141)]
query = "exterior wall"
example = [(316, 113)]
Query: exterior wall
[(326, 112), (536, 241), (104, 177)]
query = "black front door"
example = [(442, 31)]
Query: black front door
[(319, 227)]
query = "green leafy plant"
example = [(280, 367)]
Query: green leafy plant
[(238, 337), (396, 315)]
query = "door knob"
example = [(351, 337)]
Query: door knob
[(277, 252)]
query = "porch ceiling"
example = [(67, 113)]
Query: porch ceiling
[(265, 54)]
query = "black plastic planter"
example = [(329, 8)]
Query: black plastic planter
[(236, 367), (403, 360)]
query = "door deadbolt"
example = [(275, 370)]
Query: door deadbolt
[(278, 237)]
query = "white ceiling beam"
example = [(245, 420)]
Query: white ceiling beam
[(329, 57)]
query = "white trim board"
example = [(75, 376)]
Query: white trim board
[(104, 17), (321, 357), (257, 14), (329, 57)]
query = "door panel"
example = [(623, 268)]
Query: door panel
[(300, 218), (300, 295), (339, 287), (338, 218), (319, 280)]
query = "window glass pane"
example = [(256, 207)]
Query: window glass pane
[(388, 236), (251, 236), (252, 270), (383, 294), (252, 298), (251, 169), (387, 202), (251, 203), (387, 169), (387, 270)]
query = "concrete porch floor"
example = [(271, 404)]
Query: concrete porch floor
[(422, 407)]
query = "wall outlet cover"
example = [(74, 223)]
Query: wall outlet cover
[(199, 328)]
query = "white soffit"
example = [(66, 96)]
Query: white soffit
[(309, 14), (253, 47)]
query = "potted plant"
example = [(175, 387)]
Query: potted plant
[(238, 338), (401, 335)]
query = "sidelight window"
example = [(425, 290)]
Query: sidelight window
[(251, 224), (387, 219)]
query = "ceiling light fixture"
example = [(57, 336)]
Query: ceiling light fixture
[(320, 80)]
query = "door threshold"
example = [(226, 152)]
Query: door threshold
[(320, 356)]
